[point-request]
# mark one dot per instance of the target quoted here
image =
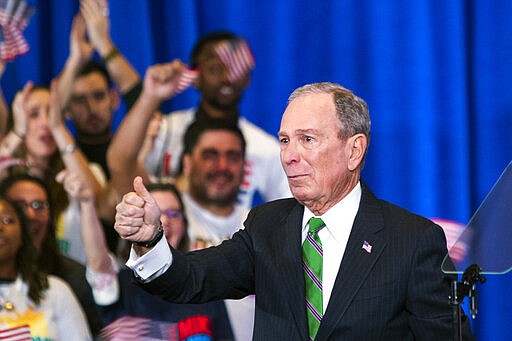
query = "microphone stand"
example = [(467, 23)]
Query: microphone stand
[(459, 290)]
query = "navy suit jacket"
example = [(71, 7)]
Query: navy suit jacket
[(395, 292)]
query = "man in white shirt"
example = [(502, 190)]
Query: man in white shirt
[(220, 98), (213, 163)]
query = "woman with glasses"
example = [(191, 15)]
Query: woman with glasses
[(39, 137), (119, 299), (33, 196), (33, 305)]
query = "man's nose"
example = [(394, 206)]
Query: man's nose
[(89, 104), (222, 162), (289, 154), (225, 76)]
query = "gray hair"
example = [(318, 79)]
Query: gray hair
[(351, 110)]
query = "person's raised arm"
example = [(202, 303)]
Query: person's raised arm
[(96, 249), (80, 52), (16, 135), (73, 158), (98, 30), (160, 83), (4, 109), (151, 136)]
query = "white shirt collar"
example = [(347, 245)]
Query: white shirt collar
[(340, 216)]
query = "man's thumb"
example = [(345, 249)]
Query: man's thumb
[(140, 189)]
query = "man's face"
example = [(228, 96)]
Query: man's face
[(92, 104), (213, 81), (215, 168), (315, 159)]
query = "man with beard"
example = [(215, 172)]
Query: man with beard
[(87, 87), (220, 98), (213, 163), (91, 106)]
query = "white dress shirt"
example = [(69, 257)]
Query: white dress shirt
[(334, 236)]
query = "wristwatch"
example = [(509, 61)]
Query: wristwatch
[(154, 240)]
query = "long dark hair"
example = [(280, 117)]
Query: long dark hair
[(26, 259), (50, 257)]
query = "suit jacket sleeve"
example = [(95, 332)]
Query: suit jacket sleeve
[(220, 272)]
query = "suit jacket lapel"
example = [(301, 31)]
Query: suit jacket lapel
[(356, 263), (290, 264)]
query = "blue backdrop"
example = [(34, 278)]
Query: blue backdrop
[(435, 73)]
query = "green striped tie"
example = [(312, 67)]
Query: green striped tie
[(312, 264)]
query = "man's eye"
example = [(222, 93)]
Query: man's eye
[(234, 157), (215, 69), (284, 140), (307, 138), (99, 95), (78, 100), (210, 155)]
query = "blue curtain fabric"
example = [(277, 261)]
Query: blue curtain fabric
[(436, 76)]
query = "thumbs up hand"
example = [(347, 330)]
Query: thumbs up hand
[(137, 215)]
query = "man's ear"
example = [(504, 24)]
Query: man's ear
[(356, 145)]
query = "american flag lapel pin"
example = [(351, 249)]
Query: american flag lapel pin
[(367, 247)]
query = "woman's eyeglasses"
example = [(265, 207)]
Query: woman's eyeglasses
[(36, 205), (173, 213)]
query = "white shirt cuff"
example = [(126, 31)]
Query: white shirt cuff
[(152, 264)]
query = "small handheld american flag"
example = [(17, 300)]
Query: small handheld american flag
[(187, 77), (19, 333), (237, 57), (14, 15)]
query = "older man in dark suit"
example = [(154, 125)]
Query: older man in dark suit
[(334, 262)]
